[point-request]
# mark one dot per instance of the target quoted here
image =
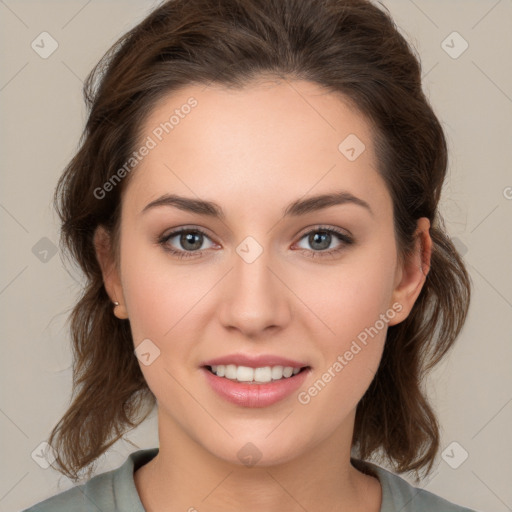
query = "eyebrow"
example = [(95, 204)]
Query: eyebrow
[(294, 209)]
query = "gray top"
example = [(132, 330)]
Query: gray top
[(115, 491)]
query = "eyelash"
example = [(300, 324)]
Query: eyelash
[(344, 238)]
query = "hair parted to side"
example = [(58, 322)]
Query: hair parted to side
[(350, 47)]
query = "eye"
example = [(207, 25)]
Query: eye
[(190, 242), (321, 238), (189, 239)]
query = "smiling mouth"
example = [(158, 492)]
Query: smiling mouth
[(261, 375)]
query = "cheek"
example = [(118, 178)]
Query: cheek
[(350, 297), (159, 302)]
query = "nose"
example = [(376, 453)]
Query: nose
[(254, 296)]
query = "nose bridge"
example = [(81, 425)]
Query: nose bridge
[(254, 299), (251, 270)]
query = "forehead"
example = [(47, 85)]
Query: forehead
[(267, 140)]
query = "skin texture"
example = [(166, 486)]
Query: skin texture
[(254, 151)]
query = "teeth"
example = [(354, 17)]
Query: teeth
[(247, 374)]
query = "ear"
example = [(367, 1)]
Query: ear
[(412, 273), (109, 270)]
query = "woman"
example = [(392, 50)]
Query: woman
[(255, 208)]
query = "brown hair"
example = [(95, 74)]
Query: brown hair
[(347, 46)]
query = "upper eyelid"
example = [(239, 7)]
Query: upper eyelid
[(178, 230), (324, 227)]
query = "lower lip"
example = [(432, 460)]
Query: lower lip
[(255, 395)]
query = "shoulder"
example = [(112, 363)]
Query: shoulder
[(110, 491), (70, 500), (79, 498), (93, 495), (398, 494)]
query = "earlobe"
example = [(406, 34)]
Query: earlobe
[(110, 272), (413, 272), (120, 311)]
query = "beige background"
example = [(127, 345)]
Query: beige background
[(42, 117)]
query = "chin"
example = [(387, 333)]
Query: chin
[(257, 450)]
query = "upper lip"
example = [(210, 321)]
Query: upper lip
[(254, 361)]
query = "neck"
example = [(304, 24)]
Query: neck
[(186, 476)]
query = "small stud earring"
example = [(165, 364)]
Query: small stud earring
[(121, 312)]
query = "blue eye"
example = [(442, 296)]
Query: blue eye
[(322, 238), (192, 239)]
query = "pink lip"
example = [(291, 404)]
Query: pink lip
[(254, 361), (253, 394)]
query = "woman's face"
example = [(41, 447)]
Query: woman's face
[(267, 277)]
